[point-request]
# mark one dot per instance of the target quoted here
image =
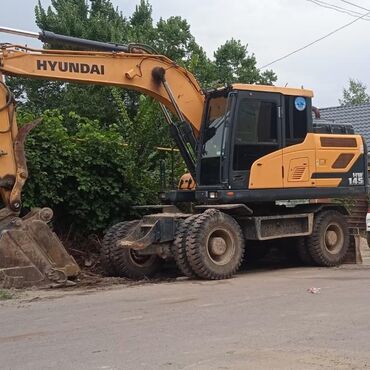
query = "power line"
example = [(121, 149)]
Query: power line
[(355, 5), (316, 41), (337, 8)]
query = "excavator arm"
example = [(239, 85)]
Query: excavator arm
[(13, 170)]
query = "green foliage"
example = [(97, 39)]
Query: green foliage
[(173, 38), (94, 19), (5, 295), (36, 96), (355, 94), (199, 64), (91, 167), (148, 119), (88, 176), (234, 64), (141, 24)]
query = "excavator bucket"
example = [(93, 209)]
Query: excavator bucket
[(30, 253)]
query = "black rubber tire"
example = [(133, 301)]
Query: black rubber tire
[(213, 222), (295, 250), (317, 243), (107, 260), (179, 247), (129, 264), (303, 252)]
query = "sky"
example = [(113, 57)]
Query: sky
[(271, 28)]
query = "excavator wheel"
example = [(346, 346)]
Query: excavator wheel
[(215, 245), (329, 242), (179, 247), (127, 262), (119, 231), (303, 252)]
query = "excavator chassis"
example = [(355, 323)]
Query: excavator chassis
[(212, 242), (30, 253), (158, 229)]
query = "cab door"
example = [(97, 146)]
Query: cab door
[(257, 135), (299, 154)]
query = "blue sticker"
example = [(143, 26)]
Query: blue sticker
[(300, 103)]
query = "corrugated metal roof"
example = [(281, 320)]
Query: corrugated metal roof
[(356, 115)]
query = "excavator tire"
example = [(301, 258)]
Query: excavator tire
[(329, 242), (179, 247), (303, 252), (107, 261), (127, 262), (215, 245)]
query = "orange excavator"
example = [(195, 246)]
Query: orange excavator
[(259, 170)]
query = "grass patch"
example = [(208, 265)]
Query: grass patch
[(4, 295)]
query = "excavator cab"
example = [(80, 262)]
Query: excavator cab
[(259, 143), (256, 123)]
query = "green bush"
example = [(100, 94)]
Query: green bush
[(87, 175), (5, 295)]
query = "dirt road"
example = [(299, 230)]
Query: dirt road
[(259, 320)]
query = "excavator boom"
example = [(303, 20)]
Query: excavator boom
[(29, 252), (126, 70)]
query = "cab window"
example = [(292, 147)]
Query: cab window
[(296, 125), (256, 132)]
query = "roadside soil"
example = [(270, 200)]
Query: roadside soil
[(91, 279)]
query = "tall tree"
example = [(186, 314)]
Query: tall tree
[(234, 64), (355, 93)]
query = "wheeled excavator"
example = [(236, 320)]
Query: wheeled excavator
[(259, 170)]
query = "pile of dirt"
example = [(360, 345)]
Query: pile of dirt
[(86, 252), (87, 279)]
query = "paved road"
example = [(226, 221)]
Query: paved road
[(258, 320)]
